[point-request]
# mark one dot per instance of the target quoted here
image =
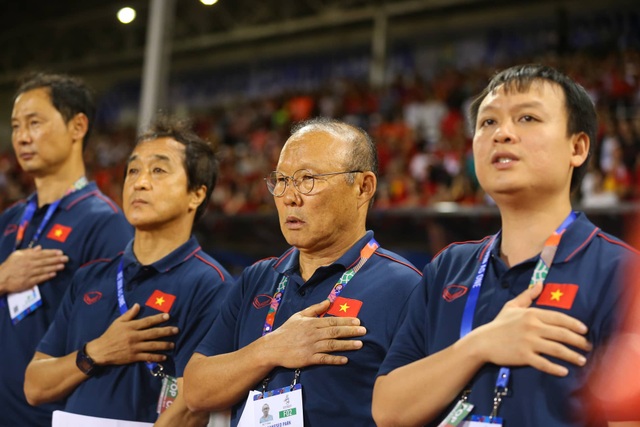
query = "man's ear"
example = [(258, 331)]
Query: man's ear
[(579, 149), (78, 126), (197, 197), (367, 186)]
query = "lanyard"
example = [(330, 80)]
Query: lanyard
[(539, 275), (337, 289), (28, 216), (30, 210), (154, 368), (365, 254)]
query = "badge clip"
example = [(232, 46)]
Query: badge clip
[(500, 391), (158, 371)]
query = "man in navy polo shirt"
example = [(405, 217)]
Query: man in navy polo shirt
[(128, 325), (502, 330), (46, 238), (292, 319)]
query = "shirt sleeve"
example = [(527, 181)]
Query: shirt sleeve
[(409, 343), (208, 298), (54, 341), (109, 235), (221, 338)]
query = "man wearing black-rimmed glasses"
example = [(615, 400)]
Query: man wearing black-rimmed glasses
[(322, 315)]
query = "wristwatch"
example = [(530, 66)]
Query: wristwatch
[(85, 363)]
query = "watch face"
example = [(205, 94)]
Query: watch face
[(84, 362)]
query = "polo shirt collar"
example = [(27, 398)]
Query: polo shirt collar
[(78, 194), (289, 261), (575, 238), (70, 198), (175, 258)]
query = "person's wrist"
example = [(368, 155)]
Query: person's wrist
[(265, 347), (472, 345), (92, 350), (85, 363), (3, 280)]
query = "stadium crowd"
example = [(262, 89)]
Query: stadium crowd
[(419, 125)]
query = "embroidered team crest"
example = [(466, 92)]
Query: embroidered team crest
[(345, 307), (558, 295), (160, 301), (453, 292), (92, 297), (59, 233)]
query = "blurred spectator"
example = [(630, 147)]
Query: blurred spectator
[(419, 126)]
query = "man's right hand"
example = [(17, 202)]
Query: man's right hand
[(522, 335), (130, 340), (25, 268), (306, 339)]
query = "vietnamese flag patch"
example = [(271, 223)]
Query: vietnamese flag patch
[(59, 233), (160, 301), (558, 295), (345, 307)]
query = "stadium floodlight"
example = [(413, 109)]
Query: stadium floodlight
[(126, 15)]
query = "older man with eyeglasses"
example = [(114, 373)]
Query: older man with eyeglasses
[(306, 332)]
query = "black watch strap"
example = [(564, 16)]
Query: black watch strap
[(85, 363)]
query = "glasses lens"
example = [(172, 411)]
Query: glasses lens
[(275, 183), (303, 180)]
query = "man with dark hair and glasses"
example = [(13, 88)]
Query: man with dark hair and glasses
[(320, 317)]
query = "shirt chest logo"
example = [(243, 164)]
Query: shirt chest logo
[(345, 307), (453, 292), (59, 233), (11, 228), (261, 301), (92, 297), (160, 301), (560, 295)]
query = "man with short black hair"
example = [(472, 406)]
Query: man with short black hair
[(502, 329), (128, 325), (44, 239)]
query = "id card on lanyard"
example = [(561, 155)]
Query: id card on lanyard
[(25, 302), (463, 408), (22, 303), (283, 406), (169, 390)]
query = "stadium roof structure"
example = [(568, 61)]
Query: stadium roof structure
[(83, 36)]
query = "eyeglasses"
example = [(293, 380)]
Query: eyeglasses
[(302, 180)]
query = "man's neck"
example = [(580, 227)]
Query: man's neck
[(152, 246), (311, 261), (53, 187), (525, 231)]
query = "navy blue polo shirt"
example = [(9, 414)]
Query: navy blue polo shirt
[(192, 286), (93, 227), (587, 261), (332, 395)]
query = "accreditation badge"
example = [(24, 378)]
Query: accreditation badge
[(168, 393), (22, 303), (483, 421), (275, 408), (279, 408), (457, 415), (247, 418)]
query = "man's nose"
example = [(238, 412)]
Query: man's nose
[(504, 133), (21, 135)]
